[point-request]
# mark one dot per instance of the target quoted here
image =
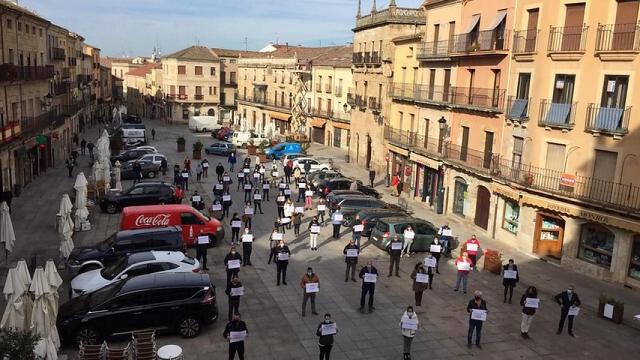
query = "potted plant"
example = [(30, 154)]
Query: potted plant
[(197, 150), (181, 143), (252, 149), (493, 261), (261, 154), (606, 301)]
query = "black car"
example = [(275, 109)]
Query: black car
[(132, 119), (128, 155), (180, 302), (148, 168), (350, 205), (370, 217), (335, 197), (104, 253), (327, 186), (317, 177), (143, 193)]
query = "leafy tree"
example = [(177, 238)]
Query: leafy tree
[(18, 344)]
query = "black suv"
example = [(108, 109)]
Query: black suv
[(180, 302), (104, 253), (327, 186), (370, 217), (352, 204), (128, 155), (143, 193)]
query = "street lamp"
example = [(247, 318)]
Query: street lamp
[(442, 124)]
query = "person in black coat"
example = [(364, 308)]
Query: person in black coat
[(202, 245), (235, 325), (527, 311), (509, 283), (477, 303), (367, 286), (235, 231), (351, 261), (372, 176), (234, 300), (232, 255), (436, 254), (325, 342), (219, 171), (282, 261), (566, 300), (394, 254)]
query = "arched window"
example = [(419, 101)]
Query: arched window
[(596, 244), (211, 112)]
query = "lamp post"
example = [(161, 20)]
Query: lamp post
[(442, 123)]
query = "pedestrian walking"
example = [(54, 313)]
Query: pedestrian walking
[(435, 249), (236, 332), (372, 176), (408, 235), (351, 252), (336, 221), (184, 175), (257, 200), (314, 231), (234, 290), (282, 261), (446, 234), (510, 276), (69, 163), (163, 166), (137, 170), (356, 230), (153, 134), (473, 245), (220, 171), (90, 147), (226, 203), (296, 219), (421, 279), (529, 302), (327, 329), (394, 249), (205, 168), (569, 306), (247, 247), (83, 146), (369, 276), (409, 326), (236, 224), (199, 172), (202, 245), (232, 262), (477, 309), (248, 215), (232, 161), (463, 264), (322, 208), (310, 284)]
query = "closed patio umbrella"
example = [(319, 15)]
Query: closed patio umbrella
[(14, 313), (81, 199), (7, 236), (118, 172), (65, 226), (54, 281), (43, 322)]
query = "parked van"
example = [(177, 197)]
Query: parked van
[(192, 222), (204, 123), (279, 150), (244, 138)]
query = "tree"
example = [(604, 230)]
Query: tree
[(18, 344)]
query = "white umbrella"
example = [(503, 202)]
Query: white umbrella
[(23, 273), (81, 199), (54, 281), (7, 236), (65, 226), (118, 172), (43, 322), (14, 313)]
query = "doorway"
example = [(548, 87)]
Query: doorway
[(482, 207), (548, 235)]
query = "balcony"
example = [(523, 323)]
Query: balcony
[(618, 41), (435, 50), (10, 72), (614, 121), (33, 125), (65, 73), (374, 104), (10, 132), (361, 102), (525, 42), (83, 79), (198, 97), (478, 99), (435, 95), (358, 58), (60, 88), (485, 42), (177, 97), (557, 115), (367, 58), (232, 82), (605, 193), (72, 61), (58, 54), (325, 113), (375, 58), (351, 100), (518, 109), (263, 102), (328, 88), (567, 43), (393, 15)]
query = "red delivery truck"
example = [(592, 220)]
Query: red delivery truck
[(192, 222)]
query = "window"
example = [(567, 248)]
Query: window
[(182, 90), (555, 156), (614, 92), (563, 88), (9, 24), (222, 61), (634, 264), (459, 196), (232, 61), (19, 26), (40, 32), (511, 216), (524, 81), (33, 30), (596, 244), (182, 70), (215, 90), (464, 147), (199, 90), (211, 90), (516, 157), (138, 270), (189, 219), (198, 70)]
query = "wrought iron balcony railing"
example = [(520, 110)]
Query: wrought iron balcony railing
[(618, 37), (567, 39), (608, 120)]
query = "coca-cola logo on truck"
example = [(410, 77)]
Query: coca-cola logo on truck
[(157, 220)]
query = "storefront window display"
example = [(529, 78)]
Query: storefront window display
[(459, 196), (634, 265), (511, 216), (596, 244)]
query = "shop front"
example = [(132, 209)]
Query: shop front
[(426, 179), (341, 135), (399, 165), (317, 130), (280, 121)]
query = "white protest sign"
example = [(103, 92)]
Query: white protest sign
[(478, 314), (532, 302), (370, 278), (280, 198), (226, 197), (237, 336), (315, 229), (256, 175), (311, 288), (285, 220), (274, 173), (236, 224), (233, 264), (203, 239), (246, 171), (283, 256), (574, 310), (237, 291), (282, 185), (226, 178), (261, 170), (422, 278), (216, 207), (358, 228), (219, 186), (302, 185), (396, 245), (510, 274), (257, 196), (247, 186), (248, 211), (435, 248), (328, 329), (240, 175), (196, 198), (247, 238), (410, 324), (464, 266), (472, 247), (287, 191), (322, 207), (265, 186), (299, 209), (277, 236), (338, 217), (447, 232), (352, 252), (308, 193), (608, 311)]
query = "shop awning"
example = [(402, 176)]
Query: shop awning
[(398, 150), (433, 164), (318, 123), (279, 116), (343, 126)]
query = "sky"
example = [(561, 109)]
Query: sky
[(135, 27)]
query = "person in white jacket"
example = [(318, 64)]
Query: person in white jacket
[(408, 235), (409, 326)]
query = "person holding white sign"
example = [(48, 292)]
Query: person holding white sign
[(273, 242), (463, 263), (369, 275), (421, 280), (202, 245), (473, 245), (435, 249), (226, 182), (446, 234), (280, 201), (296, 219), (236, 224), (409, 326), (248, 215), (431, 264), (232, 262), (395, 251), (241, 179), (282, 261), (567, 299), (266, 186), (288, 211), (357, 229), (196, 201), (351, 251), (247, 247), (236, 332), (314, 230), (322, 208), (248, 190), (326, 330), (336, 221), (216, 210), (302, 187), (408, 235), (530, 303), (234, 291), (219, 171), (308, 198), (477, 309), (226, 203), (257, 200), (510, 277), (309, 283)]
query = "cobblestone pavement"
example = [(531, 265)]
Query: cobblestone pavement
[(273, 313)]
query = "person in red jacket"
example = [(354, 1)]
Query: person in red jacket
[(473, 246), (179, 194), (394, 184), (463, 263)]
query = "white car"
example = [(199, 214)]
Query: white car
[(146, 147), (315, 164), (287, 157), (136, 264), (154, 158)]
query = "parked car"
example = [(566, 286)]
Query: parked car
[(130, 265), (104, 253), (149, 170), (387, 228), (192, 222), (315, 164), (352, 204), (147, 147), (327, 186), (220, 148), (129, 155), (334, 197), (370, 217), (153, 157), (222, 134), (131, 119), (180, 302), (142, 193), (316, 177), (279, 150), (287, 157)]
